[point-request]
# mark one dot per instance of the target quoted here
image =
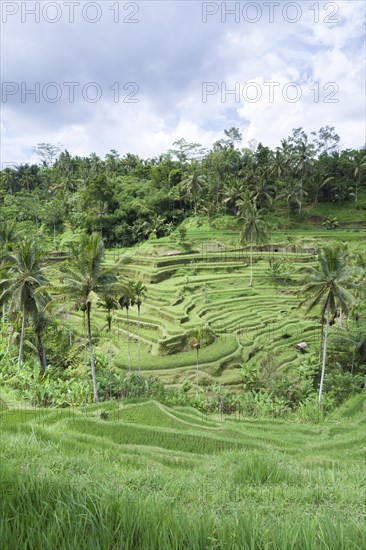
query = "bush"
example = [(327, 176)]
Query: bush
[(340, 385)]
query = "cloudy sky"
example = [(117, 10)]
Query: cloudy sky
[(137, 76)]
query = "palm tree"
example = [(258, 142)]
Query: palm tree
[(262, 191), (196, 344), (8, 236), (86, 279), (292, 193), (192, 183), (358, 163), (153, 226), (232, 193), (24, 285), (243, 202), (278, 163), (327, 285), (139, 291), (110, 303), (254, 229), (126, 301), (39, 322), (303, 158), (178, 193)]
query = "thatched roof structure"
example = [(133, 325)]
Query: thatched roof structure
[(301, 346)]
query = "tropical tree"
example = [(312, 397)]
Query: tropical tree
[(139, 292), (303, 159), (126, 301), (196, 344), (8, 236), (358, 163), (178, 194), (232, 193), (39, 323), (154, 226), (262, 191), (243, 203), (278, 165), (24, 285), (109, 302), (328, 285), (193, 183), (291, 193), (86, 280), (254, 229)]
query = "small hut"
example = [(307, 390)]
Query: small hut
[(301, 346)]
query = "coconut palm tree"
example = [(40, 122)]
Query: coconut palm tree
[(262, 191), (39, 323), (244, 202), (178, 194), (86, 280), (254, 229), (303, 160), (139, 291), (358, 163), (196, 344), (278, 162), (126, 301), (109, 303), (8, 236), (328, 285), (232, 193), (291, 193), (23, 284), (193, 183)]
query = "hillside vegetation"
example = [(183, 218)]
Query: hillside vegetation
[(145, 475), (183, 348)]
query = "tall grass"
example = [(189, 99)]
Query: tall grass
[(36, 514), (138, 480)]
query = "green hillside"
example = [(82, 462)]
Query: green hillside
[(153, 392), (202, 286), (150, 476)]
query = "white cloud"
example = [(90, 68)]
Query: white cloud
[(170, 53)]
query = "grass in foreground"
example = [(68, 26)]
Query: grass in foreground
[(153, 477)]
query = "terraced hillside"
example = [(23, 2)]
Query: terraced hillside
[(201, 289), (143, 475)]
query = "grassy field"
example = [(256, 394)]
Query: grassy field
[(153, 477)]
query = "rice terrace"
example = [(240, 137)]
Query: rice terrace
[(183, 348)]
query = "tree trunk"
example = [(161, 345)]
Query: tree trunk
[(321, 339), (128, 343), (21, 343), (41, 354), (197, 369), (324, 358), (357, 185), (301, 191), (251, 259), (54, 237), (138, 342), (92, 362), (3, 324)]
